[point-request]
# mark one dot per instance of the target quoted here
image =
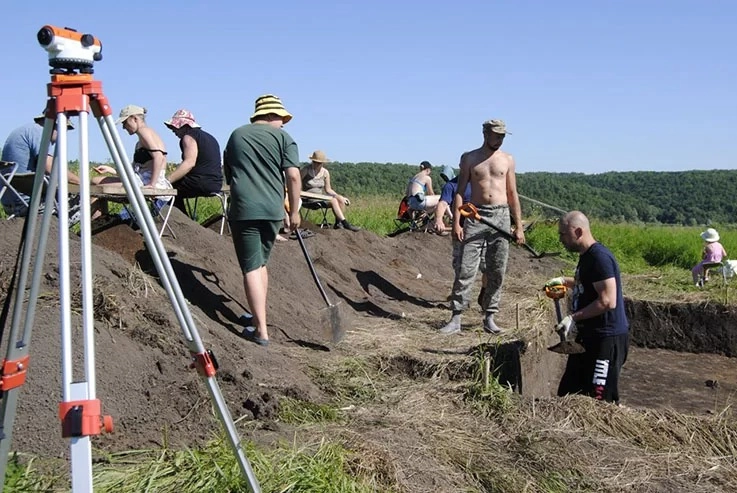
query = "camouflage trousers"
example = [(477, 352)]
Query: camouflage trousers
[(486, 247)]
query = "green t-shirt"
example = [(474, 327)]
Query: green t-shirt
[(255, 157)]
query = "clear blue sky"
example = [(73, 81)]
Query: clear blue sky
[(585, 86)]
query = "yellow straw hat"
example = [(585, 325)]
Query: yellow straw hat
[(270, 104)]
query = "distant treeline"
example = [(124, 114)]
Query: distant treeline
[(685, 197)]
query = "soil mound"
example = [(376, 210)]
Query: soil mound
[(143, 377)]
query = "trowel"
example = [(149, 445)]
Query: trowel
[(565, 345)]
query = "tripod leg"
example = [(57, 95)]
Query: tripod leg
[(19, 340), (173, 290), (80, 446)]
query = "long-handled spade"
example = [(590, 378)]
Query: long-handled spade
[(333, 317), (564, 346), (470, 210)]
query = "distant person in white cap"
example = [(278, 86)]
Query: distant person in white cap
[(316, 179), (22, 147), (420, 195), (257, 159), (713, 253), (200, 172)]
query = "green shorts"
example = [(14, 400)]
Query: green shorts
[(253, 241)]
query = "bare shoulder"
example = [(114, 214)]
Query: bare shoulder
[(504, 159), (150, 138), (503, 155), (467, 157)]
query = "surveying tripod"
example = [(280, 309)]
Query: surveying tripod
[(74, 92)]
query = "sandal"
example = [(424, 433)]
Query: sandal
[(304, 233)]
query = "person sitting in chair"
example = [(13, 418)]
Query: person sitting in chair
[(420, 196), (149, 157), (316, 179), (200, 172), (713, 254), (22, 148)]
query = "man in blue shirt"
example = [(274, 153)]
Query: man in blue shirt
[(598, 314), (23, 146)]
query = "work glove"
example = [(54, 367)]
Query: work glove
[(556, 281), (566, 328)]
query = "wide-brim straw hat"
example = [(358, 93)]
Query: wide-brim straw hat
[(710, 235), (181, 118), (269, 104), (319, 157)]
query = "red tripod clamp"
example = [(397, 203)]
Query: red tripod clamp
[(205, 363), (83, 418), (13, 373)]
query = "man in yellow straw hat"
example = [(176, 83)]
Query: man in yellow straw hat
[(256, 158)]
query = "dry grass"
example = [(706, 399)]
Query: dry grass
[(426, 432)]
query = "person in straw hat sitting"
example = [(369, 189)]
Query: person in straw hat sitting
[(255, 157), (713, 254), (316, 179)]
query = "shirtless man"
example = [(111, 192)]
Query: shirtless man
[(420, 196), (491, 173)]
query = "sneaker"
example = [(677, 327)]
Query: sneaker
[(75, 210), (338, 226)]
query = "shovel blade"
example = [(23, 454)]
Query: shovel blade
[(333, 321), (567, 347)]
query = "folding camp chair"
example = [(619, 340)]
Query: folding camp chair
[(222, 196), (317, 205), (7, 172), (413, 219), (717, 268), (316, 202)]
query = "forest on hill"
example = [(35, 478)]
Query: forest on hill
[(679, 197), (698, 197)]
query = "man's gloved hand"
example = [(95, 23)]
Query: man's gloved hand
[(566, 327), (556, 281)]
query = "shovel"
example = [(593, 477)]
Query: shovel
[(564, 346), (333, 318), (470, 210)]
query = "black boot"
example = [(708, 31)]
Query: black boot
[(347, 225)]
